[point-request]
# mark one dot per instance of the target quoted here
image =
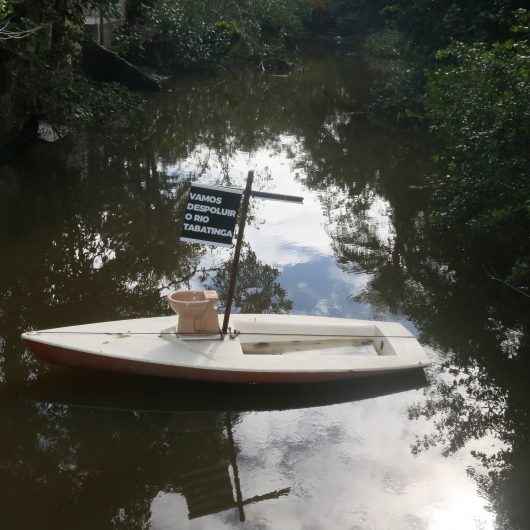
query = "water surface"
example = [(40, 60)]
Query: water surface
[(89, 233)]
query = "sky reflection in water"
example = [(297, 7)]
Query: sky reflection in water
[(137, 454), (349, 465)]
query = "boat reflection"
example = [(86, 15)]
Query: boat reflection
[(105, 390), (119, 445), (115, 463)]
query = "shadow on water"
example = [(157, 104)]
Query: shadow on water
[(109, 391)]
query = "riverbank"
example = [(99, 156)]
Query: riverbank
[(49, 75)]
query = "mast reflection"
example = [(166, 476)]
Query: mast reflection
[(214, 486)]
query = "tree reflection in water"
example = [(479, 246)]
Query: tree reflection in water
[(87, 249), (89, 231), (479, 327), (106, 447), (110, 465), (258, 288)]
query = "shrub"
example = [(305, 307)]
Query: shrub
[(183, 34), (478, 103)]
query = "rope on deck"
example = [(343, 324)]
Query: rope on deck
[(198, 336)]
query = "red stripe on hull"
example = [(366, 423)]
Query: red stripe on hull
[(77, 359)]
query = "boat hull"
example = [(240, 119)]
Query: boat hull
[(117, 347), (76, 359)]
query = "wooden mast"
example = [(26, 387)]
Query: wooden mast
[(237, 252)]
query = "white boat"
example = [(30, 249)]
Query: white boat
[(259, 348)]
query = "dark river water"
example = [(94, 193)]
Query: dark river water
[(88, 232)]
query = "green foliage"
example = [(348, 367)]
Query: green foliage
[(477, 101), (429, 24), (194, 33), (357, 16), (397, 87), (172, 35), (462, 67), (433, 24), (184, 36), (258, 288), (5, 9), (43, 75), (79, 100)]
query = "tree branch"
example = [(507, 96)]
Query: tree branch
[(504, 282), (14, 35), (188, 277)]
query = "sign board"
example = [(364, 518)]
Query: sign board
[(210, 215)]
